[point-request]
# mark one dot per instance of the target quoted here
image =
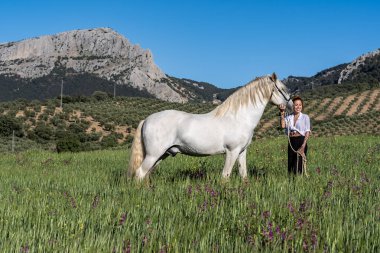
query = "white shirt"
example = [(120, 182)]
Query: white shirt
[(302, 124)]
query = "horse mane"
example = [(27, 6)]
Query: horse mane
[(255, 91)]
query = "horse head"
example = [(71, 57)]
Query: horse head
[(280, 93)]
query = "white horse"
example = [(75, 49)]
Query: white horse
[(226, 129)]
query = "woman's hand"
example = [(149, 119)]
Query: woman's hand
[(301, 150), (281, 107)]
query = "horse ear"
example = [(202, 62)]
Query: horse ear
[(274, 77)]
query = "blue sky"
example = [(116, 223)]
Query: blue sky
[(226, 43)]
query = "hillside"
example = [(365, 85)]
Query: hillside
[(363, 70), (100, 121)]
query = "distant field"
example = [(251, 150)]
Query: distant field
[(80, 202)]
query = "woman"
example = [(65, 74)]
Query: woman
[(297, 126)]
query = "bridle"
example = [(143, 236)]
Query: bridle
[(282, 93)]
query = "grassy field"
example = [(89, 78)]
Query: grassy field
[(81, 202)]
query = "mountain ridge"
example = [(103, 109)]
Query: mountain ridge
[(363, 69), (88, 60)]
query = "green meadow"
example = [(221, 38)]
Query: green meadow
[(82, 202)]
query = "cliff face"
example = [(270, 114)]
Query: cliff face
[(370, 59), (101, 52)]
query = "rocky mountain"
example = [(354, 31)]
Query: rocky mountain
[(364, 69), (86, 61)]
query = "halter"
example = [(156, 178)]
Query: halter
[(283, 95)]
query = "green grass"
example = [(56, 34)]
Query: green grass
[(80, 202)]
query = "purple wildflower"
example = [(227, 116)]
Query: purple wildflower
[(73, 203), (144, 240), (95, 202), (122, 219), (163, 249), (250, 240), (283, 236), (266, 214), (305, 245), (24, 249), (334, 171), (300, 223), (302, 207), (270, 234), (364, 179), (189, 190), (126, 246), (327, 194), (290, 207), (314, 239)]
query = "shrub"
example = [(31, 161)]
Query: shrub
[(109, 127), (77, 128), (30, 113), (100, 95), (69, 143), (44, 132), (109, 141), (8, 125)]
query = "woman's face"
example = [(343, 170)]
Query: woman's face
[(297, 106)]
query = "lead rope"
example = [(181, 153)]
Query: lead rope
[(304, 161)]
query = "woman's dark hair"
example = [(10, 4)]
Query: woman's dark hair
[(298, 98)]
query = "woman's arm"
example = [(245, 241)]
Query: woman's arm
[(307, 135), (282, 115), (308, 128), (302, 148)]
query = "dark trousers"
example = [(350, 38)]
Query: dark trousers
[(293, 167)]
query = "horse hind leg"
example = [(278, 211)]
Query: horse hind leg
[(147, 165)]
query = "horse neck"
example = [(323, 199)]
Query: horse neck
[(252, 112)]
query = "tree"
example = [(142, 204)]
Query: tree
[(100, 95), (69, 143), (8, 125)]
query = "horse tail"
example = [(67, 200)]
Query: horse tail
[(137, 152)]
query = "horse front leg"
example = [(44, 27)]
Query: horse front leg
[(243, 164), (231, 156)]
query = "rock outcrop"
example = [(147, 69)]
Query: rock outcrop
[(356, 64)]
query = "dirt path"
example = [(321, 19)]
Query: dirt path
[(344, 105), (94, 125), (329, 109), (370, 101), (355, 106), (43, 108), (20, 114)]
